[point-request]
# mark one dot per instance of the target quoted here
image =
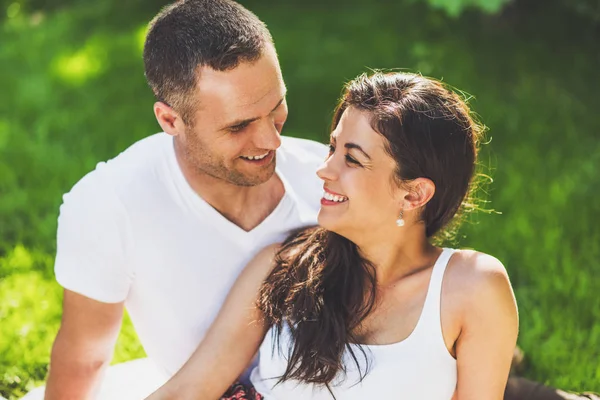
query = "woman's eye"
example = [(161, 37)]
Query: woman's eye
[(331, 149), (351, 160)]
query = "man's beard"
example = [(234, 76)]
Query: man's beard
[(203, 162)]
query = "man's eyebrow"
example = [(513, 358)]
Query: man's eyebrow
[(249, 120), (357, 147), (278, 104)]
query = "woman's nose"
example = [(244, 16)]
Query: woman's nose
[(327, 170)]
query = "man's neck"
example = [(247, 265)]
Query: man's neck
[(245, 206)]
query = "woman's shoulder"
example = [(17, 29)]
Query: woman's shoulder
[(477, 269), (477, 280)]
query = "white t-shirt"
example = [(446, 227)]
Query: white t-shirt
[(133, 230)]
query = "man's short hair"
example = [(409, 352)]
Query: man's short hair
[(191, 34)]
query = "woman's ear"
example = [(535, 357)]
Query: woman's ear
[(420, 191), (168, 119)]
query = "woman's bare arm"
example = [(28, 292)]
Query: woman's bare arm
[(488, 334), (230, 343)]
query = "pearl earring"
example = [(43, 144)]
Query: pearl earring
[(400, 220)]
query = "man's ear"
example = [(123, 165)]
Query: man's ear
[(168, 119), (420, 191)]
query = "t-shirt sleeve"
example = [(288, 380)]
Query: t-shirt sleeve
[(93, 240)]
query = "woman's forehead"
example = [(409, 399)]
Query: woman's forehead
[(355, 126)]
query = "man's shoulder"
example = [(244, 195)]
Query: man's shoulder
[(134, 167), (144, 155), (131, 164), (96, 221)]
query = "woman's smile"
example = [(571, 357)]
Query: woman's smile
[(332, 199)]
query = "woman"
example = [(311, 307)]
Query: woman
[(365, 306)]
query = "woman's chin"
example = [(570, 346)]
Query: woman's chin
[(324, 220), (329, 222)]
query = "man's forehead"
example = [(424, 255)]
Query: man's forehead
[(234, 107), (239, 88), (240, 91)]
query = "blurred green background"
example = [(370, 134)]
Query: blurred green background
[(73, 93)]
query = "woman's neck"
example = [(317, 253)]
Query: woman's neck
[(398, 255)]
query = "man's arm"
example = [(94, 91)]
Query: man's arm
[(83, 347), (93, 243)]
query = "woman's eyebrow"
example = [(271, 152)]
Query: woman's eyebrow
[(357, 147)]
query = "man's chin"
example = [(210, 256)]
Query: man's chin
[(254, 179)]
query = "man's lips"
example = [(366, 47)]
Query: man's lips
[(260, 159), (257, 157)]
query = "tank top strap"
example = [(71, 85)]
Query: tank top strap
[(431, 314)]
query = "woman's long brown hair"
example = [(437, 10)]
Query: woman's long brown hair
[(322, 288)]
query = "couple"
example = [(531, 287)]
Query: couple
[(198, 219), (364, 306)]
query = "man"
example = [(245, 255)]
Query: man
[(165, 227)]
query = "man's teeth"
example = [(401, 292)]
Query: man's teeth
[(256, 157), (333, 197)]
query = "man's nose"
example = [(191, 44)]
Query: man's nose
[(267, 136)]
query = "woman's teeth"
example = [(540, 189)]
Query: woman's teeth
[(256, 157), (333, 197)]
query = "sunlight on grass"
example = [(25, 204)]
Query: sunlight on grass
[(78, 67), (128, 345), (30, 313), (455, 7), (140, 37), (3, 133), (19, 258), (13, 10), (22, 259)]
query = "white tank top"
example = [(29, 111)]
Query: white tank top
[(417, 368)]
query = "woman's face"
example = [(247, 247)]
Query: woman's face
[(359, 191)]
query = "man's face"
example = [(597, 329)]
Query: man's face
[(238, 122)]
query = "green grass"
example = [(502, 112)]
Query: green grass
[(74, 94)]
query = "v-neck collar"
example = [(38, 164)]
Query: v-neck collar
[(204, 210)]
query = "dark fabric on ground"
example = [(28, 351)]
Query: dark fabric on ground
[(524, 389)]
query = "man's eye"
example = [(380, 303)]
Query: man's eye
[(237, 128)]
